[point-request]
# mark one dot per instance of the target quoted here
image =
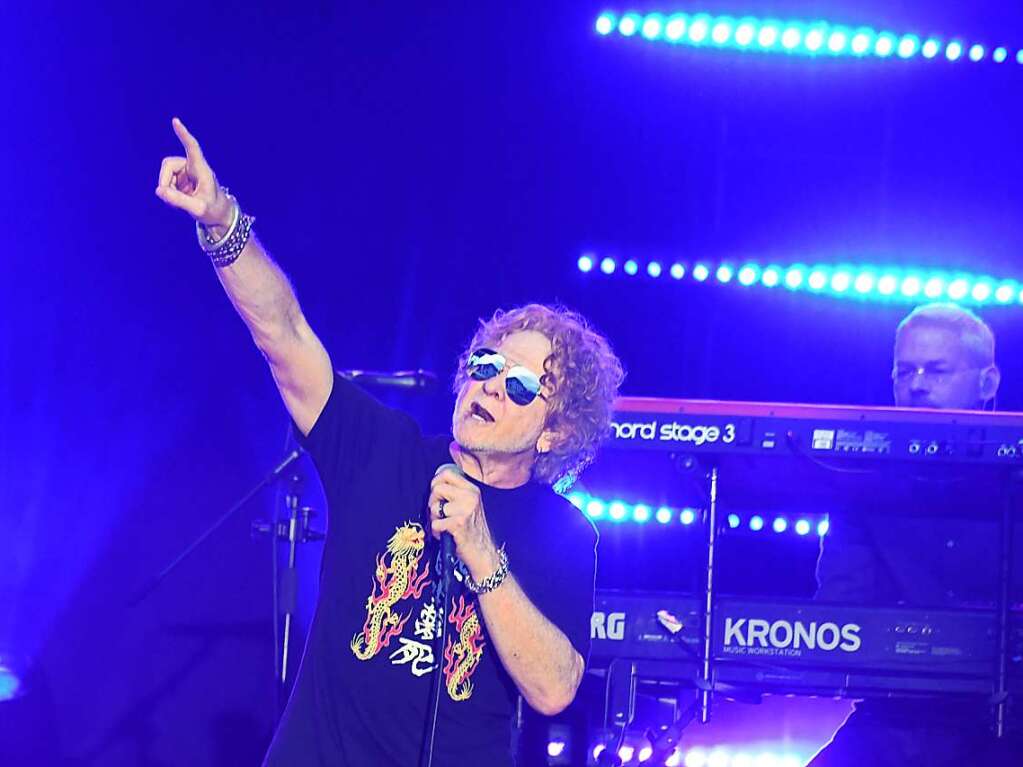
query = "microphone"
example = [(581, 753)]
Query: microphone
[(447, 542), (398, 379)]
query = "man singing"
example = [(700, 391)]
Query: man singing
[(944, 358), (534, 392)]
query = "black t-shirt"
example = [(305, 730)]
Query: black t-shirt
[(362, 692)]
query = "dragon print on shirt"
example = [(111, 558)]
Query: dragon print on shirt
[(461, 656), (397, 578)]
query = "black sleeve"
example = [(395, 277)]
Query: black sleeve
[(846, 567), (354, 437), (565, 595)]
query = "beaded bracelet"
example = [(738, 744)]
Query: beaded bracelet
[(491, 582), (232, 247)]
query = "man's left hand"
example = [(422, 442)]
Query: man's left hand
[(457, 508)]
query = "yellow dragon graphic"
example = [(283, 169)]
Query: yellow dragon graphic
[(462, 657), (397, 578)]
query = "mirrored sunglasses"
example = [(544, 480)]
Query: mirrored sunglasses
[(521, 383)]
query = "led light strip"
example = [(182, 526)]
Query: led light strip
[(864, 282), (792, 37), (619, 511)]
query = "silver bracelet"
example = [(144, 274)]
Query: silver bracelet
[(491, 582), (206, 240)]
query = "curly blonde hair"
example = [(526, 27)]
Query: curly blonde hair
[(583, 373)]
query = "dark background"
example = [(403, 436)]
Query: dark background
[(412, 168)]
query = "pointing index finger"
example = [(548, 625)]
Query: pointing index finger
[(187, 140)]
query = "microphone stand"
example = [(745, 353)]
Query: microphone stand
[(442, 591), (139, 596), (294, 529)]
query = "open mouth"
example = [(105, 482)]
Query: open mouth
[(480, 413)]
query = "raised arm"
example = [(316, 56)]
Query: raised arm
[(256, 286)]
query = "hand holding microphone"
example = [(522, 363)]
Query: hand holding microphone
[(457, 518)]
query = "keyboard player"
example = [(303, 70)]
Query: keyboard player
[(944, 359)]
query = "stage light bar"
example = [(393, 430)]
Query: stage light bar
[(863, 282), (715, 756), (793, 37), (617, 511)]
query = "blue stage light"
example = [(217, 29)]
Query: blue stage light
[(999, 55), (1005, 292), (885, 45), (794, 278), (780, 524), (585, 263), (10, 684), (814, 39), (701, 272), (862, 41), (864, 282), (617, 511), (687, 517), (745, 33), (930, 48), (678, 271), (652, 27), (802, 527), (1019, 56), (734, 521), (822, 527), (840, 281), (595, 509), (756, 522), (771, 276), (724, 273), (769, 34), (976, 52), (605, 23), (663, 515), (953, 51), (630, 267), (699, 28), (981, 292), (747, 275), (934, 287), (675, 28), (628, 24), (641, 512), (578, 500), (817, 280), (721, 32), (887, 284), (958, 289), (653, 269), (908, 46), (607, 265), (910, 286), (838, 40), (791, 37)]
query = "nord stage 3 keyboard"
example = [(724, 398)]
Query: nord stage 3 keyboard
[(806, 647), (759, 428)]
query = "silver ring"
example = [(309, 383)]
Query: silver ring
[(440, 508)]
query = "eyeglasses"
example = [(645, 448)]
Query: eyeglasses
[(904, 374), (521, 383)]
